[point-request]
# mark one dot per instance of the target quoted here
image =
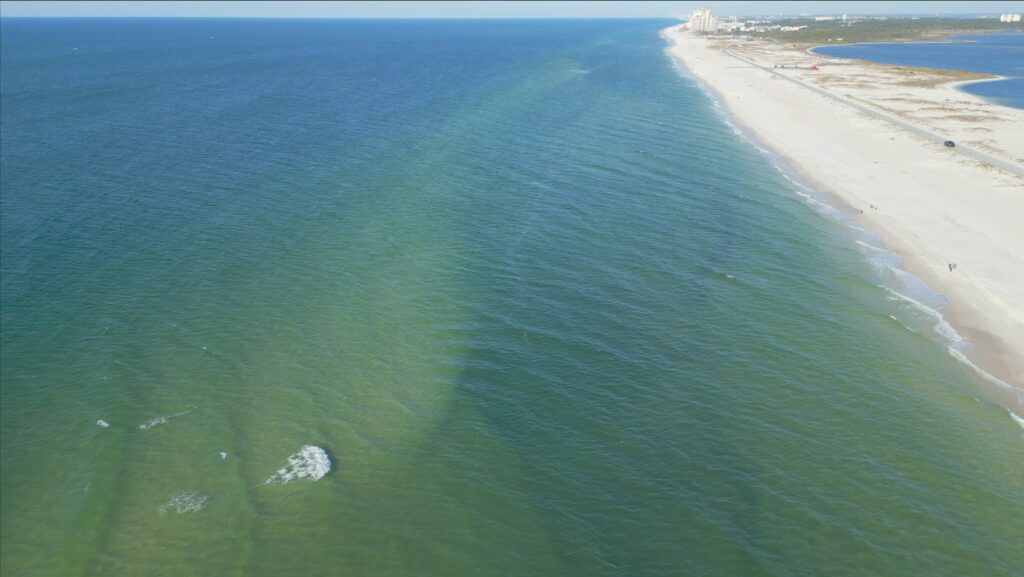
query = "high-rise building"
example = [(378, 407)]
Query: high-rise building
[(701, 20)]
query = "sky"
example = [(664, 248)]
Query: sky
[(554, 9)]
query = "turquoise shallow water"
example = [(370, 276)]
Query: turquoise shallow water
[(544, 310)]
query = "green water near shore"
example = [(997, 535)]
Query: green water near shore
[(545, 311)]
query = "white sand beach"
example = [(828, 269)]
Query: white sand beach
[(858, 131)]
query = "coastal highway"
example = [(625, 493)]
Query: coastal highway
[(1004, 165)]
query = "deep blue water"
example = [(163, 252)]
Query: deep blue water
[(545, 312), (1001, 54)]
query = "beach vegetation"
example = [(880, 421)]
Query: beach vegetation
[(882, 30)]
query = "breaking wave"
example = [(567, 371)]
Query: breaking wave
[(188, 502), (310, 462), (161, 420)]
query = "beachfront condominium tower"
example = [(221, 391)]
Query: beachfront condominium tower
[(701, 20)]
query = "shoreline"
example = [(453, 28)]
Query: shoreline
[(958, 85), (979, 312), (954, 84)]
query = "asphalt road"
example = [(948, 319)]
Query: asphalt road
[(1007, 166)]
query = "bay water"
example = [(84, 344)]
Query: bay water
[(1000, 54)]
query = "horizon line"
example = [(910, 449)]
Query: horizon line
[(257, 17)]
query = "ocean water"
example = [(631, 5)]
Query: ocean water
[(452, 298), (1000, 54)]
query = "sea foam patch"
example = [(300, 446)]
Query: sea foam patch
[(311, 462), (187, 502), (161, 420)]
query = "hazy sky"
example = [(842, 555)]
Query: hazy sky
[(485, 9)]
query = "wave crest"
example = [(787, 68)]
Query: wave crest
[(161, 420), (187, 502), (311, 462)]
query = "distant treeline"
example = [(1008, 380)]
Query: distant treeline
[(884, 30)]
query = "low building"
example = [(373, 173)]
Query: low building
[(1009, 17)]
